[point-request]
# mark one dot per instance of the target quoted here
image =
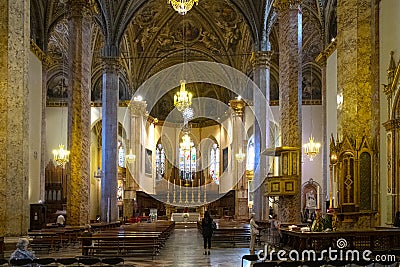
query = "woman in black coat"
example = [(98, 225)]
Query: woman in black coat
[(207, 225)]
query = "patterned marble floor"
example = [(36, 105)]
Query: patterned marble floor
[(184, 248)]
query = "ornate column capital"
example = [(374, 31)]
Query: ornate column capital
[(238, 106), (111, 64), (81, 8), (261, 59), (281, 5), (138, 108)]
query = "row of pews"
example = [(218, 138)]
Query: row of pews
[(52, 239), (230, 233), (145, 239)]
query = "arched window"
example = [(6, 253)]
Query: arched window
[(121, 154), (187, 162), (160, 162), (214, 163), (250, 154)]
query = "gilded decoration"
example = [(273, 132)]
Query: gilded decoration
[(352, 174)]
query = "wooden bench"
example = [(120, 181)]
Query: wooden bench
[(131, 239), (125, 245), (230, 234)]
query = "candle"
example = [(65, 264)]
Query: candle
[(318, 198)]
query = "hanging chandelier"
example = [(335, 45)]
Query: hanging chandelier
[(183, 98), (130, 157), (240, 156), (186, 143), (182, 6), (61, 156), (311, 149)]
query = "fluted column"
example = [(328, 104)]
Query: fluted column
[(80, 59), (290, 94), (109, 182), (238, 136), (14, 117), (261, 69)]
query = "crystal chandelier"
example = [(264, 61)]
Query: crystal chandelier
[(311, 149), (183, 98), (186, 143), (187, 114), (240, 156), (182, 6), (130, 157), (61, 156)]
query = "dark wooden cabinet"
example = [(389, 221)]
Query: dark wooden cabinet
[(38, 216)]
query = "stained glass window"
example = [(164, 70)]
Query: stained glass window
[(250, 154), (121, 154), (187, 163), (214, 163), (160, 162)]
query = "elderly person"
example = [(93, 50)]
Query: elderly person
[(22, 251)]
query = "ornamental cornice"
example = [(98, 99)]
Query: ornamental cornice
[(40, 54), (324, 55)]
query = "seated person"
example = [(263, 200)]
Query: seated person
[(22, 251), (86, 242), (60, 220)]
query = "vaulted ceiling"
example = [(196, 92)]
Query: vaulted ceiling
[(149, 36)]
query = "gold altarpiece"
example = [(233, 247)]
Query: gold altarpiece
[(352, 186)]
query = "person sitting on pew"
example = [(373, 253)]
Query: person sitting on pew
[(61, 220), (22, 252), (86, 242)]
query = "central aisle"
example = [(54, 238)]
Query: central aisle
[(184, 248)]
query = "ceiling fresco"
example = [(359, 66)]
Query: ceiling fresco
[(152, 37)]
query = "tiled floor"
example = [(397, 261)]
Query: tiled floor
[(184, 248)]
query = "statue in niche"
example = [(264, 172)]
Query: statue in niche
[(311, 202)]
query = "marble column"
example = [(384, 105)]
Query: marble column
[(357, 84), (354, 54), (80, 59), (261, 69), (109, 181), (290, 94), (14, 117), (239, 178)]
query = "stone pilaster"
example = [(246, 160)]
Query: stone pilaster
[(261, 69), (109, 184), (138, 118), (321, 60), (43, 152), (239, 177), (80, 60), (14, 117), (290, 94)]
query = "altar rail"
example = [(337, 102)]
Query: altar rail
[(379, 239)]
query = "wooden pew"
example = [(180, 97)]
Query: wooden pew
[(131, 239)]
